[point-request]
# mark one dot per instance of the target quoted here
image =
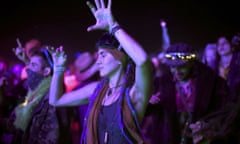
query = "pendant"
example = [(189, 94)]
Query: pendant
[(109, 92), (106, 137)]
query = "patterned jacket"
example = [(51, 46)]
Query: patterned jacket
[(49, 125)]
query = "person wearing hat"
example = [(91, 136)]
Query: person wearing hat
[(188, 90), (84, 71), (86, 68), (117, 102), (34, 120)]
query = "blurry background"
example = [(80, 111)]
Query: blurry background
[(64, 22)]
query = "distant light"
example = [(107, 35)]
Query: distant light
[(70, 82), (17, 68), (163, 23)]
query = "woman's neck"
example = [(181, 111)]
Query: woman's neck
[(116, 79)]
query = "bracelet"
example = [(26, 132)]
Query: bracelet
[(58, 69), (114, 29)]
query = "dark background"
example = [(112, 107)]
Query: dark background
[(64, 22)]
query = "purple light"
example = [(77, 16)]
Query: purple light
[(17, 68), (163, 23)]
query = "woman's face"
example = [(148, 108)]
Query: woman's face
[(108, 65), (223, 46)]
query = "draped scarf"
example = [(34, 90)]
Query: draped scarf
[(127, 117), (24, 110)]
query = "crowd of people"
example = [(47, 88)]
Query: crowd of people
[(120, 94)]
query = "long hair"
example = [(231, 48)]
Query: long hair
[(127, 120)]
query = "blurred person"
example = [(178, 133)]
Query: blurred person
[(165, 40), (34, 120), (6, 74), (9, 85), (228, 65), (18, 91), (3, 66), (84, 71), (236, 41), (186, 91), (14, 87), (225, 61), (118, 102), (24, 52), (165, 35), (85, 66), (149, 126), (156, 62), (70, 79), (222, 126), (209, 56), (16, 69), (225, 52)]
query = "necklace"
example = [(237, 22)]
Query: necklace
[(110, 90), (111, 95)]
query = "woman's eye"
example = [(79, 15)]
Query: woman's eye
[(103, 54)]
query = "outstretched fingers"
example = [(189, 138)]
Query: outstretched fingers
[(97, 3), (91, 7), (109, 4), (102, 4), (101, 14), (90, 28)]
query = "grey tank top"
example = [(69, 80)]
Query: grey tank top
[(108, 125)]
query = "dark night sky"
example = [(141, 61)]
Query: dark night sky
[(64, 22)]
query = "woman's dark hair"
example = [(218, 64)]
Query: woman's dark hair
[(107, 40)]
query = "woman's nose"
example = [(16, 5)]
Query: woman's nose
[(98, 61)]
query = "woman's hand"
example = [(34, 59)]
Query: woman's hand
[(102, 14)]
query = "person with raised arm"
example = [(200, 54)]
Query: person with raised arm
[(117, 103)]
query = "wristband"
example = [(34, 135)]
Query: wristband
[(115, 29), (59, 69)]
